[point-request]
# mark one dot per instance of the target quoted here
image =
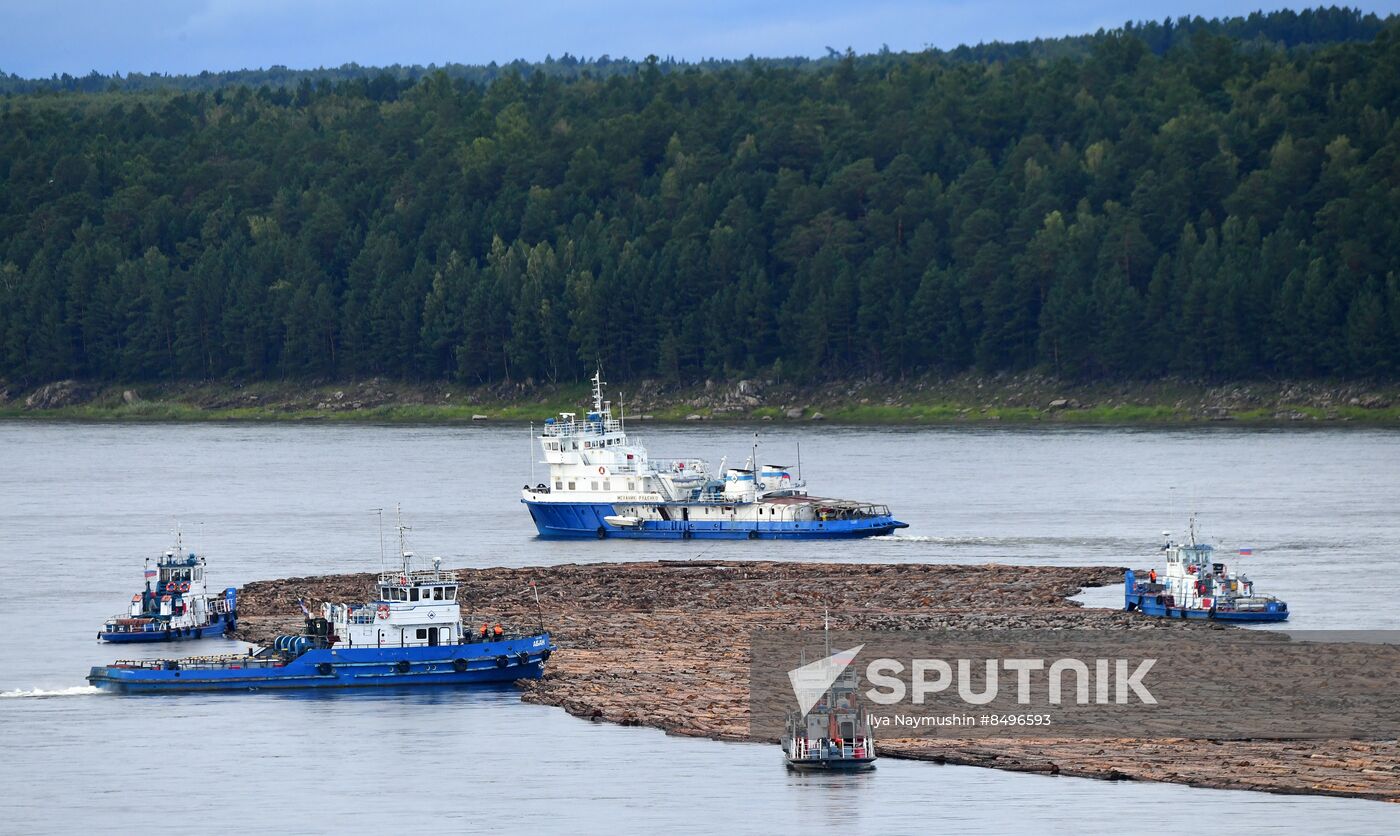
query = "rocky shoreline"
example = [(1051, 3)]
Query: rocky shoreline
[(962, 399), (665, 644)]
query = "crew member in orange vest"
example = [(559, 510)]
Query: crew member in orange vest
[(484, 629), (498, 631)]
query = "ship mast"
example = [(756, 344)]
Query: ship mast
[(598, 391), (404, 553)]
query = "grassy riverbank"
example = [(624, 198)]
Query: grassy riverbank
[(961, 400)]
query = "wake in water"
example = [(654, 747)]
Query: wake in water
[(75, 691)]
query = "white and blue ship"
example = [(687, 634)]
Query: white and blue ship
[(1198, 585), (603, 484), (411, 634), (175, 604)]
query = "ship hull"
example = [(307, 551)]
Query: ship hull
[(1151, 605), (208, 631), (446, 665), (585, 520), (831, 765)]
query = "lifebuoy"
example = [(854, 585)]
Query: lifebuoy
[(185, 587), (401, 666), (602, 471), (459, 665), (383, 611)]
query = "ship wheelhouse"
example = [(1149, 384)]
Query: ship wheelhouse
[(414, 608)]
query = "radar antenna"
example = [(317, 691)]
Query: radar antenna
[(598, 391)]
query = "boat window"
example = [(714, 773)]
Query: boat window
[(437, 593), (559, 484), (631, 486), (199, 574), (593, 485), (383, 593), (607, 484), (413, 594), (571, 486), (451, 594), (422, 633)]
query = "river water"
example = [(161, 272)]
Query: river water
[(82, 504)]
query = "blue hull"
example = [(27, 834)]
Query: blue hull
[(461, 664), (217, 628), (1151, 605), (586, 520)]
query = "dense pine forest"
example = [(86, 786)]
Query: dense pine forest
[(1213, 199)]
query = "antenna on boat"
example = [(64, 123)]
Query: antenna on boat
[(532, 452), (403, 537), (598, 390), (799, 461), (753, 463), (826, 628), (380, 512), (539, 611)]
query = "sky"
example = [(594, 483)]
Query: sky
[(41, 37)]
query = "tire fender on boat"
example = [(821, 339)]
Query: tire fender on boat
[(523, 658), (502, 661), (459, 665), (544, 655), (753, 534), (602, 532), (325, 669), (401, 666)]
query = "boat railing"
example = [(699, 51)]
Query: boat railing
[(223, 662), (418, 576), (579, 427), (824, 748)]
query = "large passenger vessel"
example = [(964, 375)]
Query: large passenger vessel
[(603, 484)]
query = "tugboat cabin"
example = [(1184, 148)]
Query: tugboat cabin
[(415, 608)]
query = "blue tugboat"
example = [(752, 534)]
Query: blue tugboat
[(1195, 585), (175, 605), (411, 635), (603, 484)]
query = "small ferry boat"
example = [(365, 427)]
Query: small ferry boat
[(836, 734), (175, 604), (603, 484), (1196, 585), (411, 634)]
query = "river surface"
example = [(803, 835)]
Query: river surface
[(82, 504)]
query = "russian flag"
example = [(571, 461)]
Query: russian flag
[(151, 573), (1246, 551)]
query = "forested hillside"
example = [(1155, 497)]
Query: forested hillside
[(1221, 201)]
